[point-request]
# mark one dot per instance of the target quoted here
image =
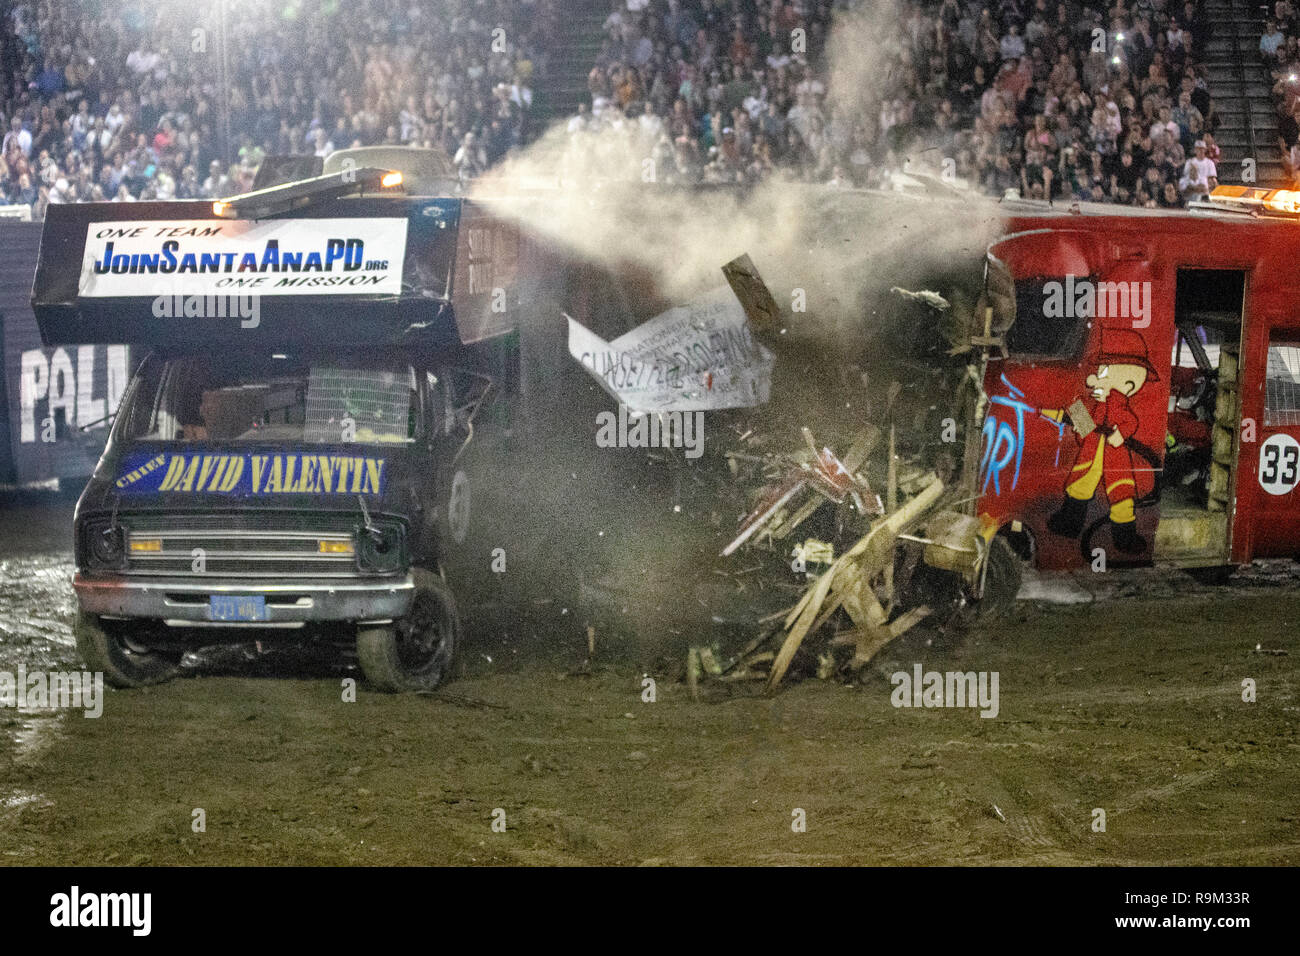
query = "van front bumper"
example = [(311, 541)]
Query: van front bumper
[(184, 603)]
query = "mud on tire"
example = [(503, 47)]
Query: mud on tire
[(1001, 579), (416, 652), (108, 647)]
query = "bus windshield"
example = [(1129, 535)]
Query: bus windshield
[(278, 398)]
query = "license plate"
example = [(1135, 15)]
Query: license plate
[(236, 607)]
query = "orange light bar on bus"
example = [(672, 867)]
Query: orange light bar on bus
[(139, 545), (1284, 201), (334, 547)]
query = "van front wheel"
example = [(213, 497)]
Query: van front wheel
[(1002, 579), (106, 646), (414, 653)]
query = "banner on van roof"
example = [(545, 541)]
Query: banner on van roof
[(235, 257)]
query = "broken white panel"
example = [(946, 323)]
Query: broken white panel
[(696, 357)]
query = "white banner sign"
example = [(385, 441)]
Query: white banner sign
[(236, 257), (696, 357)]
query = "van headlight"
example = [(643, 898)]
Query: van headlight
[(106, 545), (381, 548)]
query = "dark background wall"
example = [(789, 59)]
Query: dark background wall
[(73, 453)]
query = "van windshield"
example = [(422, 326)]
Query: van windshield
[(277, 398)]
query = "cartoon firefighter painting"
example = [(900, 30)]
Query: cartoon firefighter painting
[(1104, 427)]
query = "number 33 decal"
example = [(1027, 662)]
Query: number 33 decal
[(1279, 464)]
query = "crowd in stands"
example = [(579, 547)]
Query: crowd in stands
[(1061, 99), (1279, 47), (1052, 98), (120, 99)]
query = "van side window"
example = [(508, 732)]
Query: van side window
[(144, 401), (1282, 384), (1047, 321)]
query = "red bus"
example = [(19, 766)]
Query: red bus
[(1147, 407)]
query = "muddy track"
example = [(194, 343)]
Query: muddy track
[(1131, 704)]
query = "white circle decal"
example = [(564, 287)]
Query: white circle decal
[(1279, 464)]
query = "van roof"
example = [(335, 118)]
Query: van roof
[(355, 271)]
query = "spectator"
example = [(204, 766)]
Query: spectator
[(113, 108), (25, 193), (1012, 46), (470, 159), (1199, 175), (1212, 151), (17, 138), (1271, 42), (1015, 92)]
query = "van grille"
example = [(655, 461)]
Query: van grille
[(235, 546)]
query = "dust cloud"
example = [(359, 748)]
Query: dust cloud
[(599, 193), (828, 255)]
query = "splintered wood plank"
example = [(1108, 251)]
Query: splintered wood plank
[(799, 517), (871, 642), (760, 520), (865, 558), (861, 448)]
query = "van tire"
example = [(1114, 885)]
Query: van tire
[(1002, 579), (416, 652), (106, 649)]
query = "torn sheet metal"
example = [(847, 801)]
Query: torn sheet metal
[(697, 357)]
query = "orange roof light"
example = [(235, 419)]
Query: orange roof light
[(1284, 201), (391, 179)]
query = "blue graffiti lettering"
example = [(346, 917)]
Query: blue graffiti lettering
[(1003, 444)]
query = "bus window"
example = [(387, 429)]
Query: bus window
[(1047, 323), (1282, 384)]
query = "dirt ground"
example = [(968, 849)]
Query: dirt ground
[(1131, 703)]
